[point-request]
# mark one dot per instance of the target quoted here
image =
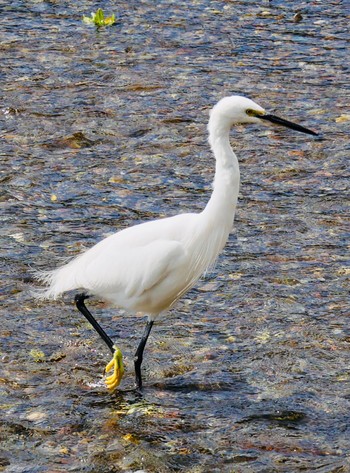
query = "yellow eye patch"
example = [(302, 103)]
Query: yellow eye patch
[(254, 113)]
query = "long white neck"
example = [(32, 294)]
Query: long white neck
[(215, 222), (222, 203)]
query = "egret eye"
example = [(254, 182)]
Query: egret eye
[(251, 113)]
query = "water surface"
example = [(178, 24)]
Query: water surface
[(101, 129)]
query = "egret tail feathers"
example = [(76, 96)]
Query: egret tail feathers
[(57, 282)]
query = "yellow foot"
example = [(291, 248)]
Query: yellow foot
[(116, 363)]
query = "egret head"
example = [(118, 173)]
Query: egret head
[(236, 110)]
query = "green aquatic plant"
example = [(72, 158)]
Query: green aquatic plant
[(99, 19)]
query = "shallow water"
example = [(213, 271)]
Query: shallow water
[(104, 128)]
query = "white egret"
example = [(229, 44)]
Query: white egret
[(148, 267)]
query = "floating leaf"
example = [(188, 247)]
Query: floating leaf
[(99, 19)]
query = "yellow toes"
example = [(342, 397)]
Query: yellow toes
[(109, 366), (116, 363)]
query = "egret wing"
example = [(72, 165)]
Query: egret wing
[(133, 270)]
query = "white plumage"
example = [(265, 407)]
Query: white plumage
[(144, 268), (147, 267)]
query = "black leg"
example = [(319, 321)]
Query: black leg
[(79, 301), (139, 354)]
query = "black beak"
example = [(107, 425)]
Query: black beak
[(286, 123)]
